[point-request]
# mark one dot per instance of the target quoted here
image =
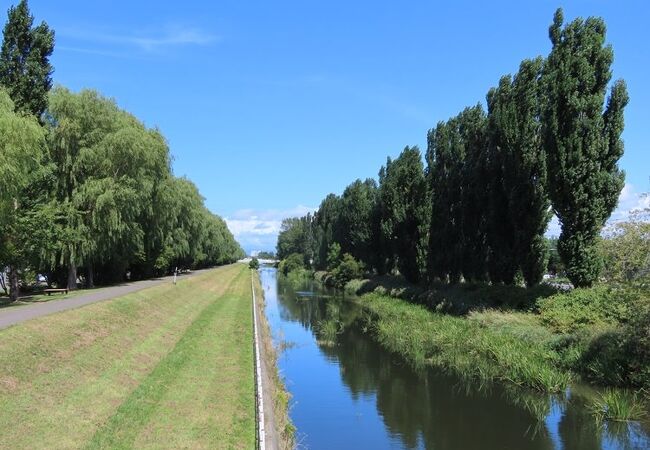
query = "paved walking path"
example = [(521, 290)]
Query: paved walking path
[(12, 316)]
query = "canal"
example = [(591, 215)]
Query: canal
[(349, 393)]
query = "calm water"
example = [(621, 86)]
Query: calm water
[(349, 393)]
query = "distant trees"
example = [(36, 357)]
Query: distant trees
[(25, 69), (583, 142), (296, 237), (479, 210), (84, 184), (98, 195)]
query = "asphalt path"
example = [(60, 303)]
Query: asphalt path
[(17, 314)]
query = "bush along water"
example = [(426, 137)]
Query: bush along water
[(537, 338)]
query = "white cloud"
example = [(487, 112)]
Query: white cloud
[(150, 43), (258, 229)]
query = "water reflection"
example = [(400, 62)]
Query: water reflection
[(378, 401)]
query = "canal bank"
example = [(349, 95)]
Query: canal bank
[(350, 392), (274, 429)]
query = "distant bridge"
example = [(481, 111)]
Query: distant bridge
[(261, 261)]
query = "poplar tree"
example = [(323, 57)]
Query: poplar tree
[(357, 215), (519, 206), (406, 211), (472, 124), (445, 157), (582, 139), (25, 69)]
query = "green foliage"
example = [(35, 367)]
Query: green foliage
[(333, 256), (445, 154), (405, 212), (519, 205), (582, 142), (587, 307), (347, 269), (626, 252), (93, 189), (25, 69), (296, 236), (254, 264), (291, 263), (22, 149), (359, 232)]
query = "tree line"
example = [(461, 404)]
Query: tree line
[(477, 207), (85, 186)]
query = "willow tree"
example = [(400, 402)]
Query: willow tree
[(25, 69), (582, 138), (405, 211), (22, 145)]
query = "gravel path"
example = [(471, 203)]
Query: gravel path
[(12, 316)]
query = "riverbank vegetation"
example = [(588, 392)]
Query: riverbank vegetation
[(459, 234), (139, 371), (87, 191)]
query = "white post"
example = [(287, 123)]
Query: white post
[(175, 272)]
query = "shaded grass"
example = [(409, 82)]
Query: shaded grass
[(30, 299), (68, 375)]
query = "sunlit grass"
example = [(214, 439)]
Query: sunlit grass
[(467, 346), (169, 366)]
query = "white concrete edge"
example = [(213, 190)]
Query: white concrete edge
[(258, 375)]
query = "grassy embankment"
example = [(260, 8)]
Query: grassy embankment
[(275, 385), (536, 338), (169, 366)]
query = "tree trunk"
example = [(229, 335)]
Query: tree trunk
[(90, 278), (13, 284), (72, 276)]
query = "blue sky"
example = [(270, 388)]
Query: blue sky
[(269, 106)]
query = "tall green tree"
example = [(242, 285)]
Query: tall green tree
[(328, 228), (25, 69), (519, 206), (582, 138), (445, 157), (358, 207), (22, 147), (472, 129), (405, 211)]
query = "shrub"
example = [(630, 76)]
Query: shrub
[(254, 264), (292, 262), (580, 308), (348, 269)]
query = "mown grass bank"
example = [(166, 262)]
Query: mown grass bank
[(165, 367)]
